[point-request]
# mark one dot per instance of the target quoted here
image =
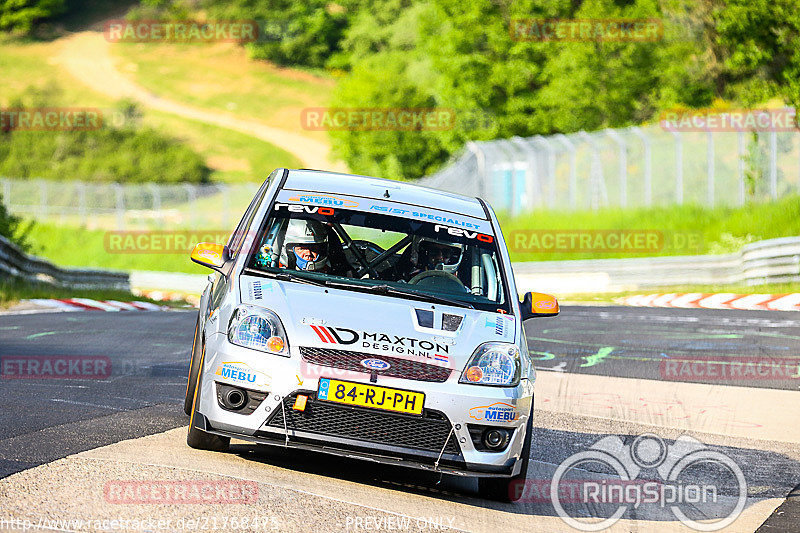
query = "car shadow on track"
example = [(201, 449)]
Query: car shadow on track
[(767, 475)]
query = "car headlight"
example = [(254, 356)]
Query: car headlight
[(259, 329), (493, 363)]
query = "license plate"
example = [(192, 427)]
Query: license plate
[(363, 395)]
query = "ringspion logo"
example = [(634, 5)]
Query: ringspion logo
[(703, 488)]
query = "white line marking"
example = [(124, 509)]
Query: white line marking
[(87, 404)]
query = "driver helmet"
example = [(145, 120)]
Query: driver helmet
[(433, 254), (310, 235)]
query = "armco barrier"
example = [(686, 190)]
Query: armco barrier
[(768, 261), (15, 263)]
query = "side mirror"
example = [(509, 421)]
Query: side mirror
[(537, 304), (209, 255)]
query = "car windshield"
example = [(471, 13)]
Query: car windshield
[(375, 252)]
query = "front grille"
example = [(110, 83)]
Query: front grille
[(427, 433), (400, 368)]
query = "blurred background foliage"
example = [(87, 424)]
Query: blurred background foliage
[(460, 55), (120, 150)]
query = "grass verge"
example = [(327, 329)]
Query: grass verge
[(684, 230), (80, 247), (12, 291)]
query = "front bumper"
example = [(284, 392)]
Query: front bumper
[(438, 441)]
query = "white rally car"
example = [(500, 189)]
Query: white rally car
[(367, 318)]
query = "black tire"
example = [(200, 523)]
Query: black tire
[(194, 369), (197, 438), (509, 489)]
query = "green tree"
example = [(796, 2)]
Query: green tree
[(762, 38), (293, 33), (13, 229), (21, 15)]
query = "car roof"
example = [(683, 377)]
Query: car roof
[(375, 188)]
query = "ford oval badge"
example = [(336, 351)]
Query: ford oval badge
[(375, 364)]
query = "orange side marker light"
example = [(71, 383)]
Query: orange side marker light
[(300, 402)]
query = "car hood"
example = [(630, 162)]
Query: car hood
[(375, 324)]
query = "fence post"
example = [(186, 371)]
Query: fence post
[(226, 205), (678, 166), (573, 171), (773, 164), (595, 171), (480, 161), (741, 153), (710, 162), (120, 206), (623, 165), (551, 168), (506, 176), (192, 194), (648, 165), (42, 199), (531, 176), (82, 202), (155, 192)]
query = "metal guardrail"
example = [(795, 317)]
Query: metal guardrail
[(15, 263), (758, 263), (768, 261)]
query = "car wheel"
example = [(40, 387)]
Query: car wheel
[(197, 438), (509, 489), (194, 368)]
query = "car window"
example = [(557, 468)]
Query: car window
[(237, 237), (369, 249)]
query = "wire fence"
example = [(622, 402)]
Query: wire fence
[(112, 206), (627, 168)]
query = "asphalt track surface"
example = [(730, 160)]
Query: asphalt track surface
[(44, 420)]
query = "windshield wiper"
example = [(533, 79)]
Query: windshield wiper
[(284, 276), (394, 291)]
